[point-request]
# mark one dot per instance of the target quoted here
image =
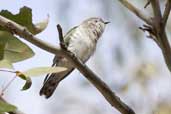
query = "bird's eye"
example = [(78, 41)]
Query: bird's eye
[(96, 21)]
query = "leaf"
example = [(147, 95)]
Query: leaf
[(28, 84), (35, 72), (5, 107), (24, 18), (41, 25), (15, 50), (6, 64), (2, 46), (43, 70), (21, 75)]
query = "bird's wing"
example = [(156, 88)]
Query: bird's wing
[(68, 35), (66, 41)]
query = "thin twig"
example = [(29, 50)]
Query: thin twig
[(148, 2), (91, 76), (136, 11), (7, 71), (8, 84), (166, 12), (61, 38)]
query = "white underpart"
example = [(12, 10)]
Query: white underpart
[(81, 44)]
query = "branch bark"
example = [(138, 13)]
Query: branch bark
[(160, 33), (91, 76), (157, 25), (166, 12), (136, 11)]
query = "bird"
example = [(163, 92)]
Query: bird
[(81, 40)]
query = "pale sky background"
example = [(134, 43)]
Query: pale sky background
[(75, 94)]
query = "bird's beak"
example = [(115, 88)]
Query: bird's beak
[(106, 22)]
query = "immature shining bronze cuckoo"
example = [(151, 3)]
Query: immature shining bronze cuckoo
[(80, 40)]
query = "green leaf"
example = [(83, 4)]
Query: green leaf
[(28, 84), (2, 46), (21, 75), (6, 64), (24, 18), (15, 50), (36, 72), (5, 107), (43, 70)]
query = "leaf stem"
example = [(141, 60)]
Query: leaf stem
[(8, 84), (8, 71)]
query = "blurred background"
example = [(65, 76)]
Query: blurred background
[(129, 62)]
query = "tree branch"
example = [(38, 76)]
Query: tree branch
[(136, 11), (166, 12), (91, 76), (160, 33), (146, 5), (157, 25), (16, 112), (156, 9)]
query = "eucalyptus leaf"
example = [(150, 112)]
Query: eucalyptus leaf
[(6, 64), (28, 84), (36, 72), (21, 75), (2, 47), (5, 107), (24, 18), (43, 70), (15, 50), (39, 27)]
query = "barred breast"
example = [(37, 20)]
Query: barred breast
[(81, 44)]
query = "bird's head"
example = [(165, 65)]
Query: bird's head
[(95, 25)]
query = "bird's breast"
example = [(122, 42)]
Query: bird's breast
[(81, 44)]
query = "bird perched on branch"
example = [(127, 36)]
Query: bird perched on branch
[(81, 41)]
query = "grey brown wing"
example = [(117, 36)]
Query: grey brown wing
[(52, 80), (57, 58), (55, 63)]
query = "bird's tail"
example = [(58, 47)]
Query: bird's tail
[(52, 82)]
